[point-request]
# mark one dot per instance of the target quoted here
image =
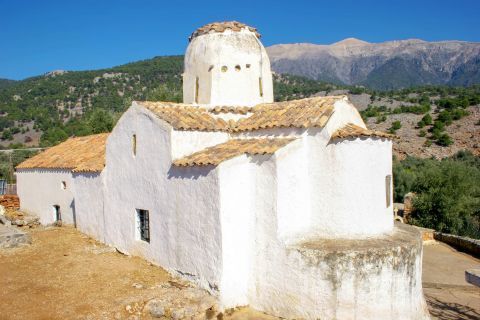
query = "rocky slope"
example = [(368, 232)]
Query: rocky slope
[(464, 132), (387, 65)]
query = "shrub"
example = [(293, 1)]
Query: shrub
[(427, 119), (422, 133), (444, 140), (448, 192), (395, 126), (381, 119)]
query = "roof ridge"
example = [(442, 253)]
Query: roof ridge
[(300, 113)]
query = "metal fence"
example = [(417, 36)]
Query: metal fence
[(7, 188)]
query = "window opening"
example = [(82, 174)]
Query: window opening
[(134, 144), (143, 225), (260, 86), (388, 190), (196, 89)]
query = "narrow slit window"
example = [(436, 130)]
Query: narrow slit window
[(143, 225), (134, 144), (388, 190), (260, 86), (196, 89)]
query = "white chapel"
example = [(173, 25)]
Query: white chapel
[(282, 206)]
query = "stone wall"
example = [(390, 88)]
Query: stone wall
[(465, 244)]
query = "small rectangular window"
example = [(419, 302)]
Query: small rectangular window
[(388, 189), (134, 144), (260, 86), (143, 225)]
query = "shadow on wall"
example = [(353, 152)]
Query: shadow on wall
[(192, 173), (450, 311)]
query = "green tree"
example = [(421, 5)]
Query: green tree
[(52, 137), (448, 197), (100, 121), (444, 140)]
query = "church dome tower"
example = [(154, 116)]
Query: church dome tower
[(226, 65)]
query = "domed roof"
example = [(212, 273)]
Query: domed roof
[(221, 27)]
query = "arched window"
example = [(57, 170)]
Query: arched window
[(388, 190), (196, 89), (134, 144), (260, 86)]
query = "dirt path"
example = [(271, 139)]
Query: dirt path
[(447, 293)]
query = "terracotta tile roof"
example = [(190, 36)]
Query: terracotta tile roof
[(81, 154), (186, 117), (352, 130), (303, 113), (231, 149), (221, 27), (230, 109)]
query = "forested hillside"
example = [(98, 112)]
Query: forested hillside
[(61, 104), (6, 83)]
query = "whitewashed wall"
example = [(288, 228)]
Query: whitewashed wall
[(185, 143), (40, 189), (350, 199), (183, 202), (237, 218), (208, 53), (89, 204)]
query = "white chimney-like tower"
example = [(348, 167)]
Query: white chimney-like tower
[(226, 65)]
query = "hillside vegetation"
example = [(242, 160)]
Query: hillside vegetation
[(46, 110), (63, 104), (447, 192)]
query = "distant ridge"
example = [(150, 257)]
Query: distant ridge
[(6, 82), (387, 65)]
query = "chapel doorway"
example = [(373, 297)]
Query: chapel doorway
[(58, 213)]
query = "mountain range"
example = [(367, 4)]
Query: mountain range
[(384, 66)]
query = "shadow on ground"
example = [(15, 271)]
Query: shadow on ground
[(450, 311)]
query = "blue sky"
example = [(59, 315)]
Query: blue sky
[(39, 36)]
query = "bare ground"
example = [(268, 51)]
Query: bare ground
[(67, 275)]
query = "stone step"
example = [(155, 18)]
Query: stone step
[(473, 276)]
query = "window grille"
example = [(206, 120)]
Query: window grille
[(143, 221)]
